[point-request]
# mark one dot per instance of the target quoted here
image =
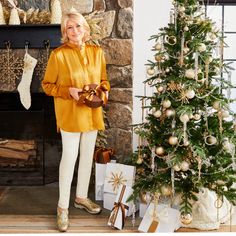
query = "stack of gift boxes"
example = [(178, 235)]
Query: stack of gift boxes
[(113, 185)]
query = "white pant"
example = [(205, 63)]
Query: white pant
[(71, 144)]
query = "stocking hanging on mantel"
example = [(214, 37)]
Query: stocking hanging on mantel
[(24, 85), (56, 13), (2, 19)]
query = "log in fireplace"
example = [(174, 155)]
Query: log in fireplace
[(30, 148)]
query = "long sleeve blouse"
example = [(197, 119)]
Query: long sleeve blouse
[(69, 66)]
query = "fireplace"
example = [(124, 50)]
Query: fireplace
[(30, 147)]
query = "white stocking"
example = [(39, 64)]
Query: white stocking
[(24, 85)]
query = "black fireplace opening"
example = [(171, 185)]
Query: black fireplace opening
[(30, 147)]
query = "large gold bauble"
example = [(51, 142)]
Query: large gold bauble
[(184, 118), (186, 218), (176, 167), (157, 113)]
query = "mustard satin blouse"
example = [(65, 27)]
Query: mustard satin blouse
[(70, 66)]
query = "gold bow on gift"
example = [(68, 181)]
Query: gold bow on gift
[(116, 207), (93, 95)]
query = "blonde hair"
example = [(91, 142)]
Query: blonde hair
[(77, 17)]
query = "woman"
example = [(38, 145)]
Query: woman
[(70, 67)]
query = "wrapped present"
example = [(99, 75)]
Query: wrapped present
[(103, 155), (100, 170), (116, 175), (120, 208), (110, 198), (160, 218)]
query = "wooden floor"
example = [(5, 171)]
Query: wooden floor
[(82, 224)]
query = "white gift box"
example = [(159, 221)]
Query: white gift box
[(162, 219), (110, 198), (116, 175), (121, 207), (100, 171)]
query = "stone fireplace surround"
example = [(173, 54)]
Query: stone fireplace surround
[(39, 121)]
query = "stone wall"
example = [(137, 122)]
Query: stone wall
[(116, 40)]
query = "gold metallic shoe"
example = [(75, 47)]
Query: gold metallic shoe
[(88, 206), (62, 220)]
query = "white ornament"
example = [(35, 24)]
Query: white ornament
[(190, 94), (202, 47), (184, 166), (166, 103), (14, 17), (190, 74), (173, 140), (2, 19), (157, 113), (184, 118), (167, 70), (56, 13)]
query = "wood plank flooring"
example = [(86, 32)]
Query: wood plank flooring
[(78, 224)]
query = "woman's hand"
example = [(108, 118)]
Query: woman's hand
[(74, 92)]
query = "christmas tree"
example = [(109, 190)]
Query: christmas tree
[(187, 139)]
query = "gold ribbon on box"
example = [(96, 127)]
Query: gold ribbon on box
[(116, 179), (93, 95), (119, 205)]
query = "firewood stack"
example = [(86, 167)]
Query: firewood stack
[(17, 153)]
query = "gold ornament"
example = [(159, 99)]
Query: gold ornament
[(170, 112), (202, 47), (186, 218), (150, 71), (173, 140), (184, 166), (210, 140), (176, 167), (166, 103), (139, 160), (171, 40), (159, 151), (197, 116), (166, 190), (190, 74), (184, 118), (190, 94), (157, 114), (216, 105), (173, 86), (158, 46), (160, 89)]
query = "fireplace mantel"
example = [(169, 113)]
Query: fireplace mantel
[(35, 36)]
